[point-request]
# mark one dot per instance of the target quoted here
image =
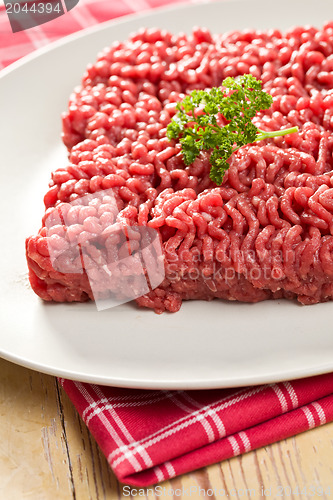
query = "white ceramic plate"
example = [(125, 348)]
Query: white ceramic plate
[(205, 345)]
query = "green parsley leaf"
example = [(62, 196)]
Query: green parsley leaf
[(197, 123)]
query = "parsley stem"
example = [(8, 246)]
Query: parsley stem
[(262, 134)]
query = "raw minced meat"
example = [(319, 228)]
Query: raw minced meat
[(265, 233)]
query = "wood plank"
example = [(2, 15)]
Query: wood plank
[(92, 476), (287, 469), (33, 456)]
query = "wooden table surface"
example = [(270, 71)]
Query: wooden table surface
[(47, 453)]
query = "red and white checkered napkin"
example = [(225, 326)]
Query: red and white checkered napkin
[(87, 13), (150, 436)]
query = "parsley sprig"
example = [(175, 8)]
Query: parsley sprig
[(220, 120)]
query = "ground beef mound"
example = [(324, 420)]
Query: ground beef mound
[(266, 233)]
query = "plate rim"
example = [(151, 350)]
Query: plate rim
[(149, 384)]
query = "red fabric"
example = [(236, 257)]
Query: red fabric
[(86, 13), (150, 436)]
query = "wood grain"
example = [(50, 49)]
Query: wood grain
[(47, 453)]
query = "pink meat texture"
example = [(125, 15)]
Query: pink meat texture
[(265, 233)]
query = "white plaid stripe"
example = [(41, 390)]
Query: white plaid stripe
[(169, 467), (37, 37), (159, 474), (94, 406), (307, 412), (245, 440), (218, 422), (214, 416), (320, 411), (292, 394), (182, 419), (205, 424), (105, 422), (139, 449), (132, 397), (281, 398), (185, 422), (234, 445), (83, 16), (137, 4), (146, 458), (157, 439)]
